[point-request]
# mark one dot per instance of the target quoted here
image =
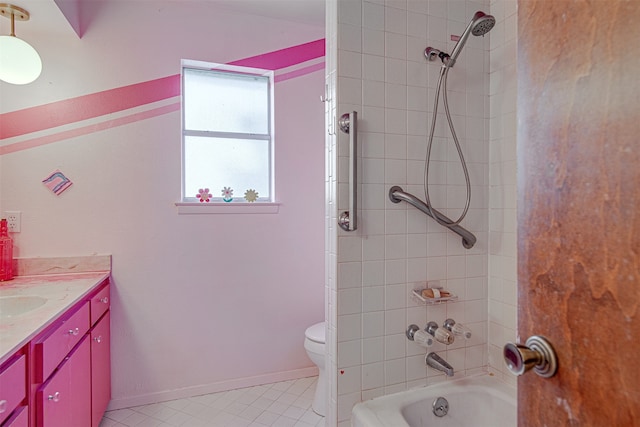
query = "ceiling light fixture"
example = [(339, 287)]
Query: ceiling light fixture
[(19, 62)]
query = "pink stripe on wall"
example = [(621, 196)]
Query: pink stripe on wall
[(85, 130), (88, 106), (298, 73), (285, 57), (98, 104)]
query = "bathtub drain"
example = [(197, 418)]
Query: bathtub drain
[(440, 407)]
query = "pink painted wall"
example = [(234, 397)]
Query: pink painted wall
[(201, 302)]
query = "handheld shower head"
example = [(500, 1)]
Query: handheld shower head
[(480, 24)]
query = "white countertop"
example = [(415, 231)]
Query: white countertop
[(62, 291)]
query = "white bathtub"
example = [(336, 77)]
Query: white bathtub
[(478, 401)]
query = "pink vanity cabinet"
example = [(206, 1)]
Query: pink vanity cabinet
[(70, 369)]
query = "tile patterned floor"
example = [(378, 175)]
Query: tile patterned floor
[(282, 404)]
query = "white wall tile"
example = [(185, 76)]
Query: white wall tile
[(395, 246), (373, 248), (373, 16), (395, 70), (349, 380), (437, 32), (372, 376), (345, 403), (372, 222), (349, 353), (395, 297), (372, 350), (394, 371), (349, 327), (372, 144), (350, 38), (372, 119), (395, 20), (372, 298), (349, 12), (395, 45), (394, 346), (373, 273), (349, 301), (395, 171), (395, 322), (373, 67), (373, 171), (373, 324), (350, 274), (373, 93)]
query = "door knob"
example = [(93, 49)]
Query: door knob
[(536, 353)]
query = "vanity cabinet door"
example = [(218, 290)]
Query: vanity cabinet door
[(52, 349), (20, 418), (100, 303), (13, 388), (100, 369), (65, 399)]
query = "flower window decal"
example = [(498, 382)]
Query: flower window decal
[(227, 194), (204, 195)]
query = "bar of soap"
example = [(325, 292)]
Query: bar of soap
[(435, 293)]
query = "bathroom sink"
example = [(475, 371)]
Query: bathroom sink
[(20, 304)]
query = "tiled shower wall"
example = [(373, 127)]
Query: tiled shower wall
[(376, 66), (502, 185)]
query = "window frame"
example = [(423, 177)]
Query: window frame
[(189, 202)]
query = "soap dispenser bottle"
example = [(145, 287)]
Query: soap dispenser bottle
[(6, 252)]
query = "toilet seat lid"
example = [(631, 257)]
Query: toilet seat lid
[(316, 333)]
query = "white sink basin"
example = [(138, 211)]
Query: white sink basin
[(20, 304)]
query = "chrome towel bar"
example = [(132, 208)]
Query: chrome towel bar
[(396, 195)]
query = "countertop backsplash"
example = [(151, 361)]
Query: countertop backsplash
[(61, 265)]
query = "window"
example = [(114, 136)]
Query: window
[(227, 138)]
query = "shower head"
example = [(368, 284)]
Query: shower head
[(480, 24)]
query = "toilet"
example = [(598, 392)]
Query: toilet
[(314, 343)]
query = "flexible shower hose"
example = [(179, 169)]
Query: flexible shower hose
[(442, 81)]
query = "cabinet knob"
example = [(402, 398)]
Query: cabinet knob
[(3, 406), (98, 339), (75, 331), (55, 397), (104, 300)]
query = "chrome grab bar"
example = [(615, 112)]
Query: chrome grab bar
[(396, 195), (349, 124)]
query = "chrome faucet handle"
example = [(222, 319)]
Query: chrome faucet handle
[(420, 337), (440, 334), (457, 329), (411, 330)]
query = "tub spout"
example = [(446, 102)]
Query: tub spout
[(437, 362)]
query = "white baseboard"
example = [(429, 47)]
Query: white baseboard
[(162, 396)]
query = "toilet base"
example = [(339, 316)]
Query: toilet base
[(318, 404)]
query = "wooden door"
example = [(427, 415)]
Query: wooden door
[(579, 208)]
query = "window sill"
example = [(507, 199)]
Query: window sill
[(186, 208)]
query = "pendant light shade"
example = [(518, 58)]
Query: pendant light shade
[(19, 61)]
